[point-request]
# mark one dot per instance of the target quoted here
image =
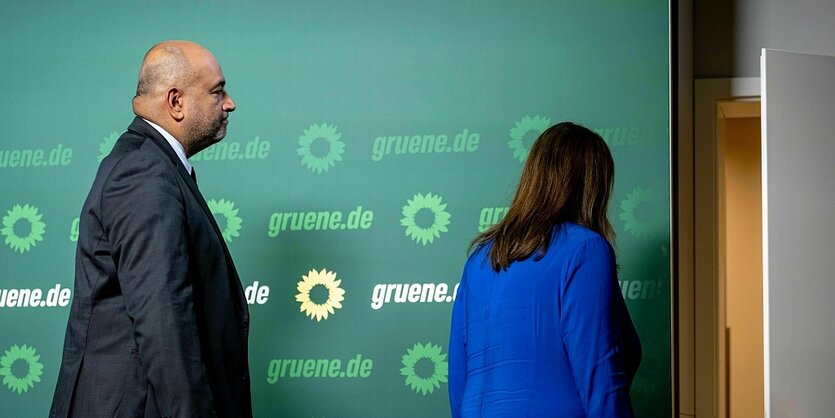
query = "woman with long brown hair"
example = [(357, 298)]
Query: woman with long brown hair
[(539, 326)]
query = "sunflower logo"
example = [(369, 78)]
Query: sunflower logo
[(14, 219), (429, 353), (227, 209), (425, 203), (639, 226), (20, 368), (107, 144), (536, 124), (327, 281), (313, 157)]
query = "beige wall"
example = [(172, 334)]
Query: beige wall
[(741, 266)]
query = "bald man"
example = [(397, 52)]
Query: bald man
[(159, 323)]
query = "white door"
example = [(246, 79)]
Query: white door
[(798, 163)]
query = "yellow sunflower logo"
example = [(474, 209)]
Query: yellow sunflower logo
[(308, 285)]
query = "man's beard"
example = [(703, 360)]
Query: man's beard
[(202, 132)]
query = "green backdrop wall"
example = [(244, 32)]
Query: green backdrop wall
[(372, 141)]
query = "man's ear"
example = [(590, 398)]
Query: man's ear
[(174, 103)]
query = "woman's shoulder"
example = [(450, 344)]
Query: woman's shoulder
[(572, 238), (576, 233), (479, 254)]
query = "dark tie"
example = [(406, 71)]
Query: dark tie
[(194, 175)]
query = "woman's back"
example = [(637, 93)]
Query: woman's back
[(547, 337)]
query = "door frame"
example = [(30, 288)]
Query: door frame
[(698, 270)]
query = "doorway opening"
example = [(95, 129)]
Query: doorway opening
[(739, 258)]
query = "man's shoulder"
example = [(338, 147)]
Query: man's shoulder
[(136, 157), (136, 148)]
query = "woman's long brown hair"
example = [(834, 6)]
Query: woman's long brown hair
[(568, 177)]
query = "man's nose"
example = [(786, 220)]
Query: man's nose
[(228, 104)]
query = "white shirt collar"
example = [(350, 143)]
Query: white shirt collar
[(178, 147)]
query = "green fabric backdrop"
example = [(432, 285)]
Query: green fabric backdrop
[(372, 141)]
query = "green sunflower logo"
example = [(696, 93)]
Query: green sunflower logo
[(420, 353), (635, 203), (327, 280), (230, 214), (320, 147), (107, 144), (537, 124), (18, 219), (20, 368), (418, 205)]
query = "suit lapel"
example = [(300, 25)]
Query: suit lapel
[(199, 196), (143, 128)]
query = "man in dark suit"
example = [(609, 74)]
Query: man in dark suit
[(159, 322)]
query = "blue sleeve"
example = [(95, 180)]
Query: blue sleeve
[(593, 325), (458, 349)]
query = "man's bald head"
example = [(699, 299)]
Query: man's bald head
[(182, 89), (167, 65), (164, 66)]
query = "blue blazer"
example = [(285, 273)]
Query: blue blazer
[(550, 336), (159, 323)]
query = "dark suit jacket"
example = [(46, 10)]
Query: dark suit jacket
[(159, 323)]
